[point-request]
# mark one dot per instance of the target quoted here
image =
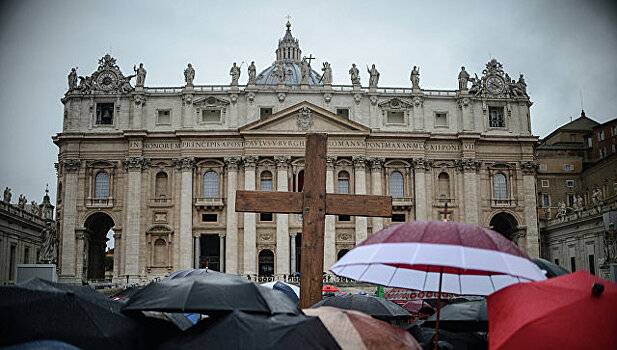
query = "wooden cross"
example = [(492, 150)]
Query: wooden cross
[(314, 204)]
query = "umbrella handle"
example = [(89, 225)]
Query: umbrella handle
[(436, 338)]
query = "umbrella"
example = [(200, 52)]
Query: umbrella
[(414, 306), (199, 272), (206, 295), (293, 292), (240, 330), (370, 305), (356, 330), (573, 311), (42, 310), (470, 316), (440, 257), (327, 288), (448, 340), (552, 270)]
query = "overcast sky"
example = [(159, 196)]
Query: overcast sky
[(564, 48)]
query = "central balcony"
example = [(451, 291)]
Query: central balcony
[(99, 202), (402, 202), (210, 203)]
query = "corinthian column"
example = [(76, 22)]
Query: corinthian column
[(70, 168), (359, 163), (330, 231), (376, 186), (250, 224), (132, 229), (421, 165), (470, 168), (185, 238), (529, 203), (282, 220), (231, 241)]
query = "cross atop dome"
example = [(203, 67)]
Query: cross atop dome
[(289, 47)]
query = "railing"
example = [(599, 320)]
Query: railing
[(162, 202), (209, 202), (503, 202), (23, 213), (402, 201), (163, 90), (327, 279), (100, 202)]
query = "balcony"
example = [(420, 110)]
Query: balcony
[(402, 202), (503, 202), (210, 203), (99, 202), (161, 202)]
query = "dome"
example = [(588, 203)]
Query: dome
[(293, 75)]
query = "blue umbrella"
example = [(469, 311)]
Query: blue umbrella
[(284, 288)]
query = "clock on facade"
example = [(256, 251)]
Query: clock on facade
[(495, 85), (106, 80)]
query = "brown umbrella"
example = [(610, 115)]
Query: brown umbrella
[(356, 330)]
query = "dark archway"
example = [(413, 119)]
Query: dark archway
[(341, 253), (210, 252), (266, 263), (505, 224), (97, 226)]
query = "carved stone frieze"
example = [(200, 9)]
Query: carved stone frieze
[(232, 162), (377, 162), (135, 163), (330, 161), (422, 163), (249, 162), (529, 167), (359, 161), (71, 165), (344, 236), (304, 119), (186, 163), (266, 237), (282, 161), (468, 164)]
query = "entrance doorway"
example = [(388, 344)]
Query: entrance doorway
[(210, 252), (266, 263), (98, 226), (505, 224), (298, 251)]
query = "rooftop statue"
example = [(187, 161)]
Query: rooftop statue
[(305, 70), (140, 73), (415, 77), (355, 74), (463, 78), (189, 75), (73, 79), (48, 252), (235, 74), (7, 195), (21, 202), (252, 73), (373, 79), (326, 78), (279, 72), (34, 208)]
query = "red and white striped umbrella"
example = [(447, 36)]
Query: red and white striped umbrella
[(426, 255)]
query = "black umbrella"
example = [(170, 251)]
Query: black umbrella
[(552, 270), (240, 330), (370, 305), (40, 310), (448, 340), (206, 273), (470, 316), (205, 295)]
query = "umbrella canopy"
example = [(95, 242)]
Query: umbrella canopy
[(207, 273), (206, 295), (370, 305), (240, 330), (470, 316), (573, 311), (355, 330), (424, 255), (292, 292), (327, 288), (448, 340), (42, 310), (552, 270)]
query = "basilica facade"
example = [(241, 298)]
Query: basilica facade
[(159, 167)]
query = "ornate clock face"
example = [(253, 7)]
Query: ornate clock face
[(495, 85), (106, 80)]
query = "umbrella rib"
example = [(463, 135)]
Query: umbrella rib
[(186, 297)]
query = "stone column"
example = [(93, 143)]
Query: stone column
[(231, 245), (470, 168), (117, 254), (421, 165), (185, 236), (132, 228), (330, 231), (81, 254), (68, 273), (222, 252), (531, 213), (376, 187), (282, 220), (196, 252), (294, 267), (359, 163), (250, 221)]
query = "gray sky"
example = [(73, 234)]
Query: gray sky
[(562, 47)]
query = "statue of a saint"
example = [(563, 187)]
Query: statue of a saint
[(252, 73), (373, 76), (140, 74), (521, 84), (85, 84), (561, 210), (476, 86), (73, 79), (235, 74), (355, 75), (596, 199), (463, 78), (48, 248), (34, 208), (189, 75), (305, 71), (21, 202), (279, 72), (415, 78), (326, 78), (7, 195)]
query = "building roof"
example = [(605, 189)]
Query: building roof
[(582, 124)]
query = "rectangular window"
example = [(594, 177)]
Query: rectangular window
[(343, 112), (343, 186), (26, 255), (592, 264), (398, 217), (264, 112), (104, 113), (441, 120), (344, 218), (209, 217), (568, 167), (545, 183), (570, 183), (546, 200), (12, 257), (496, 119), (396, 117), (556, 261), (211, 116), (265, 216), (572, 264), (163, 117)]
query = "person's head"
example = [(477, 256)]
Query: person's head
[(190, 66), (141, 65), (463, 68)]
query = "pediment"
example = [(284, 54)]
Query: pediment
[(210, 101), (302, 118), (395, 103)]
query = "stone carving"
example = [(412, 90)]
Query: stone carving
[(187, 99), (279, 72), (249, 161), (422, 163), (463, 102), (235, 74), (189, 75), (135, 163), (281, 96), (21, 202), (561, 211), (373, 79), (48, 253), (357, 97), (34, 208), (415, 78), (71, 165), (519, 88), (304, 119), (355, 75), (529, 167), (578, 205), (266, 237), (7, 195), (330, 161), (72, 79), (377, 162), (468, 164), (610, 246), (139, 100), (417, 101), (359, 161), (106, 79), (597, 199), (186, 163), (476, 87), (327, 97), (282, 161), (140, 74), (374, 99), (463, 78), (305, 71), (495, 82), (326, 78), (250, 97), (252, 73), (344, 236), (232, 162)]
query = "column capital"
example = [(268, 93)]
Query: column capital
[(468, 164), (330, 161), (282, 161), (249, 162), (135, 163), (377, 162), (422, 163), (529, 167), (222, 235), (359, 161), (71, 165), (292, 234), (186, 163), (232, 162)]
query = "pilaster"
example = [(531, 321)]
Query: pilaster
[(470, 167), (330, 230), (250, 222), (359, 163), (185, 237), (231, 241), (530, 210), (70, 169), (282, 220), (134, 167), (421, 167), (376, 187)]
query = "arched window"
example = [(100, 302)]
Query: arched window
[(160, 185), (266, 263), (160, 252), (397, 189), (265, 181), (500, 186), (443, 185), (211, 184), (343, 182), (101, 185)]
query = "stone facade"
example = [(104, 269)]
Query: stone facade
[(162, 165)]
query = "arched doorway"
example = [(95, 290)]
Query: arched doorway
[(341, 253), (504, 223), (266, 263), (98, 227)]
